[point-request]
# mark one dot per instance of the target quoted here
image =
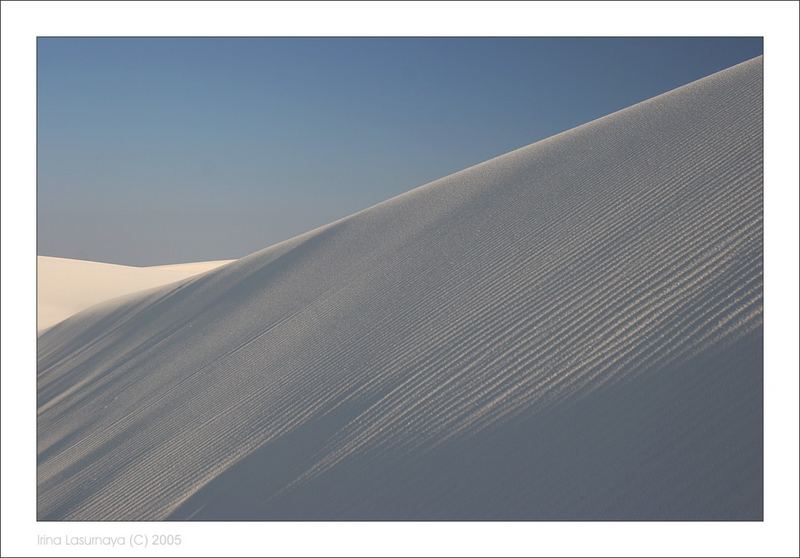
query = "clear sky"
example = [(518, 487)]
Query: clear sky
[(158, 151)]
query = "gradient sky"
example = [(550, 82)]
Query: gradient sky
[(156, 151)]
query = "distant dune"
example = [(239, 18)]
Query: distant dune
[(65, 286), (572, 330)]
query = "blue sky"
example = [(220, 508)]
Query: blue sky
[(158, 151)]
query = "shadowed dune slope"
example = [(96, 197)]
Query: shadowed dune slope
[(569, 331)]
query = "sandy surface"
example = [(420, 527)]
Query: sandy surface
[(572, 330), (66, 286)]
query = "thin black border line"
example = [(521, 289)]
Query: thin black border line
[(167, 521), (390, 37)]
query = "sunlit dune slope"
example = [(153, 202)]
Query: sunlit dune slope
[(65, 286)]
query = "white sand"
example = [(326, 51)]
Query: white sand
[(570, 331), (66, 286)]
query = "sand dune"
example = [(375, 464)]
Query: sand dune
[(65, 286), (569, 331)]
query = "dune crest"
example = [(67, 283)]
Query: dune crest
[(572, 330)]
